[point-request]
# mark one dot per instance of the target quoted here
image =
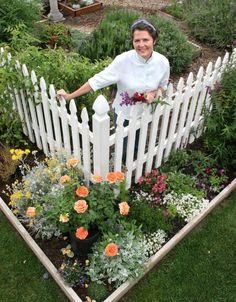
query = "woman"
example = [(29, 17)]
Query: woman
[(139, 70)]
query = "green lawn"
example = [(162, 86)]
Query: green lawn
[(200, 269)]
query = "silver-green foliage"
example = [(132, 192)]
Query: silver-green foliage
[(127, 264)]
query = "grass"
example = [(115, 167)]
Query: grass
[(200, 269), (21, 274)]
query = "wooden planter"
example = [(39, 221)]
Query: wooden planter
[(80, 11)]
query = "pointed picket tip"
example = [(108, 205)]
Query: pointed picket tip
[(226, 58), (25, 70), (33, 77), (120, 118), (200, 73), (180, 84), (209, 68), (189, 79), (84, 115), (218, 62), (72, 106), (100, 105), (170, 90), (43, 85), (52, 91)]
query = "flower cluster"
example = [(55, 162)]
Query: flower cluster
[(153, 242), (154, 183), (17, 154), (132, 100), (186, 206), (77, 208)]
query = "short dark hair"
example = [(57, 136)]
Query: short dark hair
[(142, 24)]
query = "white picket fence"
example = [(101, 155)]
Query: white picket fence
[(172, 126)]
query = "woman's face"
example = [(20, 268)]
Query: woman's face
[(143, 43)]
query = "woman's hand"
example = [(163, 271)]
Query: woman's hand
[(151, 95), (64, 94)]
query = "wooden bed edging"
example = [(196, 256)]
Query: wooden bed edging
[(125, 287)]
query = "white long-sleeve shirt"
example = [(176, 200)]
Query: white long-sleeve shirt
[(132, 73)]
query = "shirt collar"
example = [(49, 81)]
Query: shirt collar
[(141, 59)]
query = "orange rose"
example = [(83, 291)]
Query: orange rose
[(124, 208), (120, 176), (64, 179), (82, 191), (96, 179), (111, 250), (72, 162), (31, 212), (81, 233), (111, 177), (80, 206)]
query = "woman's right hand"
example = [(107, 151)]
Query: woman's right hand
[(64, 94)]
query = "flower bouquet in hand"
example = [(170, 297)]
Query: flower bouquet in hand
[(141, 98)]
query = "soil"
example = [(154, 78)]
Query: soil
[(88, 22)]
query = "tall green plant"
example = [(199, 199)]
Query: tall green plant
[(220, 121), (212, 21), (113, 37), (15, 12)]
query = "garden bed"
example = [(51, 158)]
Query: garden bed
[(80, 11), (124, 288)]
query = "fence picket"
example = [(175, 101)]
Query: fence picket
[(86, 163), (164, 126), (74, 123), (146, 116), (174, 117), (119, 139)]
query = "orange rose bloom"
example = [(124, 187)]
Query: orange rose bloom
[(124, 208), (82, 191), (72, 162), (111, 177), (111, 250), (31, 212), (81, 233), (80, 206), (64, 179), (120, 175), (96, 179)]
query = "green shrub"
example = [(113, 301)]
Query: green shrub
[(175, 9), (220, 121), (98, 291), (58, 67), (212, 22), (15, 12), (112, 37)]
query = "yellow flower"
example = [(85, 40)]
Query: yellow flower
[(15, 197), (64, 217), (27, 151), (14, 157), (67, 251), (28, 195)]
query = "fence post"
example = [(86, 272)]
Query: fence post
[(101, 132)]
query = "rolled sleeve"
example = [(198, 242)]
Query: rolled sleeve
[(107, 77)]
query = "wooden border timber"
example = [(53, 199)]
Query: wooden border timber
[(124, 288), (80, 11)]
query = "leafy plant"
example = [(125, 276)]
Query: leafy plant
[(220, 122), (98, 291), (118, 258), (112, 37), (212, 22), (13, 13), (175, 9)]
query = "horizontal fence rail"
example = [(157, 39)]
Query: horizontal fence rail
[(52, 126)]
